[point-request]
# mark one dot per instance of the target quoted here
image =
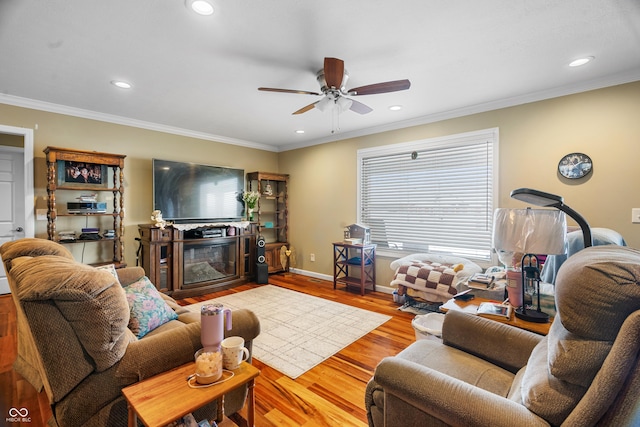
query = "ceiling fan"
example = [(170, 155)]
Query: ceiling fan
[(333, 80)]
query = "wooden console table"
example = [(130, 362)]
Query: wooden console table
[(166, 397), (181, 264)]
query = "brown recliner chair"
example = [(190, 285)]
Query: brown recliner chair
[(73, 338), (586, 372)]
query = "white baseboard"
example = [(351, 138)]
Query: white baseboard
[(379, 288), (385, 289), (312, 274)]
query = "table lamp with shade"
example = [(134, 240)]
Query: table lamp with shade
[(530, 232)]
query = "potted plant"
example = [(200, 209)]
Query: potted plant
[(250, 199)]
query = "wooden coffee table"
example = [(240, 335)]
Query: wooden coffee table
[(166, 397)]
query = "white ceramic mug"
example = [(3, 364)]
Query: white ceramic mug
[(233, 352)]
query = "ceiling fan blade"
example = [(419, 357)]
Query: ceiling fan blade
[(333, 72), (305, 109), (359, 107), (385, 87), (301, 92)]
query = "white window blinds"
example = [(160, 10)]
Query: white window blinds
[(432, 195)]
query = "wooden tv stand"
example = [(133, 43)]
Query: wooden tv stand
[(184, 263)]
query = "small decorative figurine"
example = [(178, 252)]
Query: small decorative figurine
[(156, 216)]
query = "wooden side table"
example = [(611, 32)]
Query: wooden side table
[(348, 258), (538, 328), (166, 397)]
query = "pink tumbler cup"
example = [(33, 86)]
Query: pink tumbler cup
[(212, 317)]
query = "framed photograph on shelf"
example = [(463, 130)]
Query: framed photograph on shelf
[(82, 174)]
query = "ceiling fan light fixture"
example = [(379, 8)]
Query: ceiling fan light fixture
[(324, 103), (201, 7), (332, 79), (343, 104)]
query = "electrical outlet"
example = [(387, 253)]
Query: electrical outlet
[(41, 214), (635, 215), (312, 257)]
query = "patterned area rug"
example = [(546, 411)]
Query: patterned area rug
[(299, 331)]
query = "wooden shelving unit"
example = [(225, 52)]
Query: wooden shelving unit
[(272, 214), (58, 180)]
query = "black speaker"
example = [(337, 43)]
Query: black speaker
[(260, 251), (262, 273)]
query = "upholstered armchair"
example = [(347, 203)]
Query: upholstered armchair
[(575, 243), (76, 337), (585, 372)]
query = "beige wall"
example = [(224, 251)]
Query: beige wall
[(139, 145), (603, 124)]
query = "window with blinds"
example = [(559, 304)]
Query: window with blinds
[(433, 195)]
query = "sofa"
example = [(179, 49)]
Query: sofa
[(585, 372), (82, 340)]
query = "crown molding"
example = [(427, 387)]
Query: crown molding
[(608, 81), (125, 121), (613, 80)]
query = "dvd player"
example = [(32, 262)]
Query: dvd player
[(214, 232), (87, 207), (205, 233)]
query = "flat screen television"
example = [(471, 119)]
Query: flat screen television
[(190, 192)]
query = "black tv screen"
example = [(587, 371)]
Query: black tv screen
[(190, 192)]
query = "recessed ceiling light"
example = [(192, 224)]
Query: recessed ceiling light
[(581, 61), (300, 131), (395, 107), (201, 7), (121, 84)]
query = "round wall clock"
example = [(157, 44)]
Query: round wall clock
[(575, 165)]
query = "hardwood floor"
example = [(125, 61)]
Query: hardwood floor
[(331, 394)]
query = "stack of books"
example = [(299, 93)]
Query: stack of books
[(481, 281), (66, 236)]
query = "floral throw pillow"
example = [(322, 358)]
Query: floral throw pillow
[(148, 309), (111, 268)]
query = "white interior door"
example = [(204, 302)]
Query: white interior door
[(16, 192)]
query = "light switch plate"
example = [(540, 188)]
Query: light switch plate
[(635, 215), (41, 214)]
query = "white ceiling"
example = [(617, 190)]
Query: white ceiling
[(195, 75)]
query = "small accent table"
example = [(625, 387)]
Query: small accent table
[(348, 258), (538, 328), (166, 397)]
